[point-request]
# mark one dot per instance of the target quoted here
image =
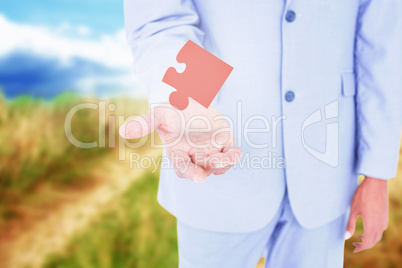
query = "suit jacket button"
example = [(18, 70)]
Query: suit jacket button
[(290, 16), (289, 96)]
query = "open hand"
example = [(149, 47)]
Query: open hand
[(198, 141), (371, 203)]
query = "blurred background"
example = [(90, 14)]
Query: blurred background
[(70, 207)]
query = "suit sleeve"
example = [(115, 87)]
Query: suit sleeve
[(379, 87), (156, 31)]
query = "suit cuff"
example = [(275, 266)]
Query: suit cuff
[(377, 166)]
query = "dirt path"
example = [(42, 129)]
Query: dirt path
[(51, 234)]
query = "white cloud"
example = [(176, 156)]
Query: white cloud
[(67, 29), (67, 42), (83, 30), (109, 50)]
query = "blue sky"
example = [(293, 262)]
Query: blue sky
[(64, 45), (102, 16)]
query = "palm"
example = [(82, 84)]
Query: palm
[(198, 141)]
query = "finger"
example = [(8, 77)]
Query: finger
[(213, 161), (359, 246), (184, 167), (217, 164), (222, 170), (368, 239), (367, 242), (228, 158), (219, 161), (203, 152), (350, 228), (232, 151), (138, 127)]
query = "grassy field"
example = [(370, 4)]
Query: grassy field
[(132, 230), (34, 146), (35, 153)]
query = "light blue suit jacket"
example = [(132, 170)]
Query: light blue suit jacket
[(330, 68)]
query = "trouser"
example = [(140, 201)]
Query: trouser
[(283, 242)]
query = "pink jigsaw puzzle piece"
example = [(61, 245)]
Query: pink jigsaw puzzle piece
[(202, 79)]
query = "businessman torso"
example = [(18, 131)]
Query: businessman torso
[(292, 103)]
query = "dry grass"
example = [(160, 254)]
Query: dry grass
[(35, 153)]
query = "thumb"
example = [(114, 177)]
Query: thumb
[(350, 228), (138, 127)]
